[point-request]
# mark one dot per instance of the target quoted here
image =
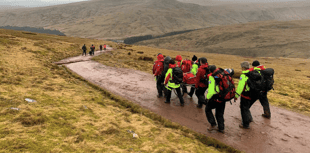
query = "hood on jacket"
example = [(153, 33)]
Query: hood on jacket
[(178, 58), (172, 65), (160, 57)]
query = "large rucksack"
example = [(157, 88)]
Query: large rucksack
[(186, 66), (268, 78), (226, 85), (205, 79), (255, 82), (158, 67), (177, 74)]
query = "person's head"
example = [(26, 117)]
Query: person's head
[(92, 44), (212, 68), (255, 63), (202, 60), (194, 58), (160, 57), (84, 44), (171, 61), (245, 65)]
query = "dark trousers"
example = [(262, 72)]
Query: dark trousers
[(200, 93), (84, 52), (219, 113), (192, 90), (168, 94), (245, 105), (265, 103), (184, 88), (160, 85)]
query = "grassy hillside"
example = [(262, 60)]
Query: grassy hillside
[(125, 18), (257, 39), (292, 75), (72, 115)]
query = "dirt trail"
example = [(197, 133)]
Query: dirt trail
[(285, 132)]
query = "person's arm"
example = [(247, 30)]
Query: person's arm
[(198, 77), (211, 88), (167, 78), (154, 68), (241, 85)]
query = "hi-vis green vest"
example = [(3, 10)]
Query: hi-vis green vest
[(170, 84), (242, 83), (194, 69)]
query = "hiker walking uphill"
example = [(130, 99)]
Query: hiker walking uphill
[(253, 86), (174, 78), (201, 86), (194, 70), (104, 47), (84, 50), (267, 75), (100, 46), (158, 68), (92, 50), (221, 89)]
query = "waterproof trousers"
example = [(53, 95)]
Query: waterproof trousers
[(265, 103), (200, 93), (84, 52), (160, 85), (168, 94), (192, 90), (219, 113)]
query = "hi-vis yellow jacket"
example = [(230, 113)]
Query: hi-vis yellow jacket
[(242, 85)]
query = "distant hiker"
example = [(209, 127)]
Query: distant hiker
[(84, 50), (92, 50), (194, 70), (100, 47), (158, 68), (104, 47), (174, 78), (220, 89), (267, 74), (201, 84)]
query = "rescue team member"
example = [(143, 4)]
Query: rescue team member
[(104, 47), (263, 97), (214, 103), (100, 46), (200, 76), (92, 50), (194, 70), (158, 68), (247, 99), (168, 79), (84, 50)]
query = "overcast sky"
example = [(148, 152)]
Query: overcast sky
[(35, 3)]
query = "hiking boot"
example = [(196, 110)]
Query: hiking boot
[(212, 127), (266, 116), (251, 120), (245, 127), (167, 101), (182, 104), (199, 106), (159, 96), (221, 131), (190, 95)]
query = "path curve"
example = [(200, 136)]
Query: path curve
[(285, 132)]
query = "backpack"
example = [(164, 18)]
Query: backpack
[(177, 74), (268, 78), (158, 67), (226, 85), (255, 82), (186, 66), (166, 64), (205, 79)]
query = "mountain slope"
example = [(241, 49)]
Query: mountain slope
[(269, 38), (124, 18)]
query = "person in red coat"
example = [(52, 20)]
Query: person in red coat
[(158, 68), (201, 85)]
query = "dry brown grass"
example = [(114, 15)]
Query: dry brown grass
[(72, 115), (291, 86)]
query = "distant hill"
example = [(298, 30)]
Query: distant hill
[(117, 19), (264, 39), (36, 30)]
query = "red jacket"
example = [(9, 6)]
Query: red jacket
[(168, 76), (179, 59), (104, 46), (158, 66), (201, 75), (261, 67)]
